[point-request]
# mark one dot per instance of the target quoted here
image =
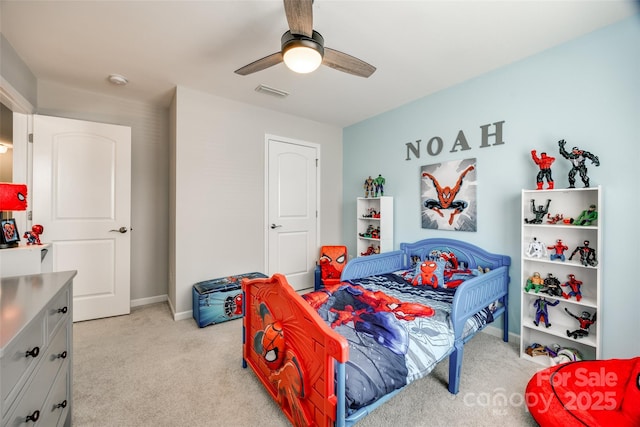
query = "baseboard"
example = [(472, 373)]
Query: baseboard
[(497, 332), (146, 301), (180, 316), (183, 315)]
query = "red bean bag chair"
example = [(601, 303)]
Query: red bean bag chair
[(586, 393)]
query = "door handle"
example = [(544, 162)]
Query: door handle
[(275, 226), (119, 230)]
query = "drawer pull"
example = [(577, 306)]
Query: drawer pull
[(63, 310), (62, 355), (61, 405), (33, 353), (33, 417)]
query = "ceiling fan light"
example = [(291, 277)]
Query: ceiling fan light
[(302, 59)]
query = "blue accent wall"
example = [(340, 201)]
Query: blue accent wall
[(586, 91)]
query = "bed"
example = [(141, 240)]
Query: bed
[(332, 356)]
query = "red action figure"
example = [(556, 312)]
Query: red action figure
[(544, 162), (559, 248), (574, 284)]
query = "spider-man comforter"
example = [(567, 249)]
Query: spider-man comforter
[(397, 332)]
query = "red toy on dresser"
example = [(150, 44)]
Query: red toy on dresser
[(587, 393)]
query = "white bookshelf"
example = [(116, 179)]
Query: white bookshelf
[(570, 203)]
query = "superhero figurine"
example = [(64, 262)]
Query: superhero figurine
[(575, 285), (33, 236), (587, 255), (368, 187), (542, 313), (586, 217), (534, 282), (536, 249), (552, 286), (577, 157), (379, 183), (544, 162), (585, 322), (539, 213), (554, 219), (559, 248)]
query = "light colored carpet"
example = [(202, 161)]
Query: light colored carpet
[(146, 369)]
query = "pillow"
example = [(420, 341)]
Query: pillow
[(429, 273)]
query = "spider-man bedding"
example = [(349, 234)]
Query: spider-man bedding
[(375, 332), (397, 332)]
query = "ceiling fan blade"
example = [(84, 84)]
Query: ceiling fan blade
[(347, 63), (299, 16), (260, 64)]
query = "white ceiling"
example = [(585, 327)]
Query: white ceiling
[(418, 47)]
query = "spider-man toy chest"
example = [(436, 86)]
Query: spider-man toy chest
[(219, 300)]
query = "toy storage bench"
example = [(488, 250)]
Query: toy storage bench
[(219, 300)]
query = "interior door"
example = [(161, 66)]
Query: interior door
[(82, 196), (292, 210)]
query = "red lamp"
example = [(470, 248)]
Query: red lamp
[(13, 197)]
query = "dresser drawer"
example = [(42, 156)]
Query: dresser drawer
[(32, 398), (16, 365), (58, 404), (57, 310)]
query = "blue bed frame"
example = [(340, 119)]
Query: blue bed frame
[(471, 296)]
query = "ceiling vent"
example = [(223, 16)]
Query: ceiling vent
[(272, 91)]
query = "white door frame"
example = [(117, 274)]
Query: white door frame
[(314, 145)]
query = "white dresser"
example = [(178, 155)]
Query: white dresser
[(26, 259), (36, 349)]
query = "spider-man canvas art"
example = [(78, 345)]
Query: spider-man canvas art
[(448, 195)]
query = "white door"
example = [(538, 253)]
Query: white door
[(82, 196), (292, 210)]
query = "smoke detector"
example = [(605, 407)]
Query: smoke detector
[(117, 79)]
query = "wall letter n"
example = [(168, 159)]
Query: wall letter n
[(497, 134), (415, 149)]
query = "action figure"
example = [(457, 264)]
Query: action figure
[(539, 213), (552, 286), (368, 187), (587, 255), (577, 157), (536, 249), (379, 183), (585, 322), (542, 314), (559, 355), (544, 162), (559, 248), (575, 285), (586, 217), (446, 196), (33, 236), (554, 219), (536, 349), (534, 282)]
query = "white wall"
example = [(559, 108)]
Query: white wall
[(219, 184), (149, 176), (586, 91)]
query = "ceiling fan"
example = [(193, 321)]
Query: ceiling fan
[(303, 48)]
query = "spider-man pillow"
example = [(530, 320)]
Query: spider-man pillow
[(429, 273)]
